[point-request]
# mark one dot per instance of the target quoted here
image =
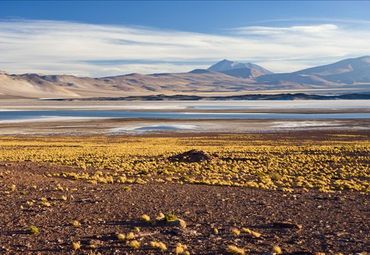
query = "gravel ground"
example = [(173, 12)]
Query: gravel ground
[(299, 222)]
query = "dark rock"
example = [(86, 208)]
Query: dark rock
[(289, 225), (190, 157)]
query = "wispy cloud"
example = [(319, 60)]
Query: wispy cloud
[(101, 50), (321, 30)]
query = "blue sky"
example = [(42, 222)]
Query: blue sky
[(196, 16), (112, 37)]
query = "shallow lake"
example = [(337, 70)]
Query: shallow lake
[(35, 115)]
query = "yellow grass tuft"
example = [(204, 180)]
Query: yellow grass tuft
[(232, 249), (158, 245), (34, 230), (145, 218), (235, 231), (134, 244), (251, 232), (76, 223), (181, 249), (160, 216), (130, 236), (276, 249), (121, 236), (76, 245)]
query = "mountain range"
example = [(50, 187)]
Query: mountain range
[(224, 77)]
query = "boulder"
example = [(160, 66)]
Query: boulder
[(190, 157)]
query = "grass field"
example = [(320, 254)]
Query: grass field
[(236, 160)]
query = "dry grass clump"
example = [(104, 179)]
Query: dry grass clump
[(251, 232), (126, 188), (181, 249), (145, 218), (233, 249), (76, 223), (130, 236), (76, 245), (134, 244), (34, 230), (158, 245), (45, 202), (171, 219), (182, 223), (276, 249), (160, 216), (235, 231), (121, 237)]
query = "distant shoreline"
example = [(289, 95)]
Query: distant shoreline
[(281, 96)]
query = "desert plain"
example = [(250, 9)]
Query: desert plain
[(184, 186)]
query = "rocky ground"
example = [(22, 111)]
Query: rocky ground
[(82, 218)]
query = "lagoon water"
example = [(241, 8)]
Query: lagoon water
[(37, 115), (279, 104), (186, 110)]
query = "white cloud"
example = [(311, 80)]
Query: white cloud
[(313, 30), (101, 50)]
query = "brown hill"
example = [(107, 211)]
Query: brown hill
[(223, 77)]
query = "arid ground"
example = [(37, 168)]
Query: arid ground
[(302, 192)]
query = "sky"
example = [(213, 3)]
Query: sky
[(103, 38)]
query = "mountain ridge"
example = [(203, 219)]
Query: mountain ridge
[(238, 69), (347, 71), (224, 76)]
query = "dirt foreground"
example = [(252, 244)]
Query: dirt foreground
[(42, 213)]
